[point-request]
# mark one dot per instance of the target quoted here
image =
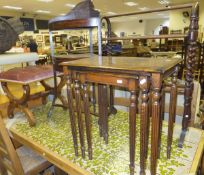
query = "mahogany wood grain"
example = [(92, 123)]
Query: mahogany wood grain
[(87, 119), (190, 62), (72, 114), (156, 107), (144, 117), (132, 130), (79, 116), (63, 22), (172, 111)]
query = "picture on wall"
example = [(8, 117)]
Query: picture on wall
[(58, 39), (47, 40), (39, 38)]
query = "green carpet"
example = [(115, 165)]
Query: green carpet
[(111, 159)]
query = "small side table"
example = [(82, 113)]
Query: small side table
[(135, 74)]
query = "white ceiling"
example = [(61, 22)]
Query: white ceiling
[(58, 7)]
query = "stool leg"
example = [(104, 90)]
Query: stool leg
[(87, 120), (172, 112), (132, 130), (156, 107), (144, 115), (72, 115), (79, 115)]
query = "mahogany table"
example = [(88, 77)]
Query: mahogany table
[(133, 74)]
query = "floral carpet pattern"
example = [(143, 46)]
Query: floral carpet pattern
[(111, 159)]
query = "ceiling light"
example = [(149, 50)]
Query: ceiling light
[(131, 4), (70, 5), (111, 13), (46, 0), (43, 11), (144, 8), (163, 2), (12, 7), (62, 14)]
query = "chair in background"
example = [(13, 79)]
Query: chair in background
[(21, 161)]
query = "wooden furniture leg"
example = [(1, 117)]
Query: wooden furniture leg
[(19, 103), (104, 108), (100, 112), (172, 111), (87, 119), (156, 107), (103, 111), (144, 115), (161, 118), (132, 129), (190, 62), (79, 116), (113, 110), (72, 114)]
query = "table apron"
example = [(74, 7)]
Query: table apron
[(121, 81)]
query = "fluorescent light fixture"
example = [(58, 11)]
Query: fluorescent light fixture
[(111, 13), (144, 8), (12, 7), (163, 2), (131, 3), (43, 11), (62, 14), (45, 0), (70, 5)]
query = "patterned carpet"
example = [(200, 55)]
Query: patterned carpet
[(111, 159)]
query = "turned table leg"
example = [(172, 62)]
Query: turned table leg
[(103, 111), (144, 115), (72, 114), (156, 107), (162, 103), (132, 129), (100, 112), (113, 110), (172, 111), (79, 116), (87, 119)]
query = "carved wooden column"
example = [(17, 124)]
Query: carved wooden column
[(72, 114), (79, 116), (190, 61), (87, 119), (144, 124), (172, 111), (156, 107)]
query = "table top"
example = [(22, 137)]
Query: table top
[(128, 64), (72, 56), (53, 140)]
